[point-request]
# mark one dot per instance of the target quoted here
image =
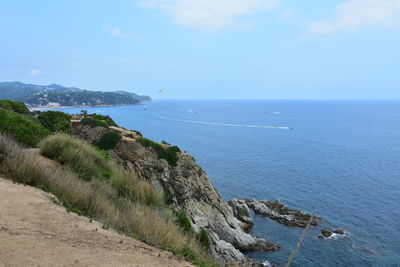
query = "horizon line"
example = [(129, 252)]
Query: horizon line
[(285, 99)]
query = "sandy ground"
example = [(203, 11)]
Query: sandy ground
[(35, 231)]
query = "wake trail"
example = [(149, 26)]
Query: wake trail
[(228, 124)]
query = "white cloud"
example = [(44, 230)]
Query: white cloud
[(35, 72), (354, 15), (118, 32), (212, 15)]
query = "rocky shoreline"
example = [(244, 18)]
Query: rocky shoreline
[(227, 224), (276, 211)]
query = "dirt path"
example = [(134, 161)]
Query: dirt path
[(34, 231)]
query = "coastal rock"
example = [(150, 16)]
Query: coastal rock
[(191, 191), (241, 212), (280, 213), (326, 233), (339, 232)]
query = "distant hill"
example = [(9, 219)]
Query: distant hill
[(58, 95), (14, 90)]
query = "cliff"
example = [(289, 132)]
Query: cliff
[(106, 166), (189, 189)]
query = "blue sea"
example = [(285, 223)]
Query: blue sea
[(342, 156)]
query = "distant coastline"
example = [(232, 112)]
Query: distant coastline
[(39, 108), (54, 96)]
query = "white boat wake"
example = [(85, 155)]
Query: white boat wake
[(229, 124)]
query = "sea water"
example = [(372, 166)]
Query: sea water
[(342, 156)]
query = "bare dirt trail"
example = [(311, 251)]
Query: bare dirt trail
[(35, 231)]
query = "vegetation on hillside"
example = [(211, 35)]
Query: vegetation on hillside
[(45, 94), (23, 128), (79, 97), (96, 120), (88, 164), (55, 121), (183, 221), (169, 154), (15, 106), (128, 210), (15, 90), (89, 183), (108, 140)]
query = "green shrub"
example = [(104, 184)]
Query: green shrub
[(55, 121), (15, 106), (21, 127), (106, 118), (94, 120), (108, 140), (183, 221), (149, 143), (169, 154), (204, 239), (168, 198)]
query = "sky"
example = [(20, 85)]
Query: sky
[(206, 49)]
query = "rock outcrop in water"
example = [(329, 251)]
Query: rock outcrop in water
[(328, 233), (274, 210), (190, 190)]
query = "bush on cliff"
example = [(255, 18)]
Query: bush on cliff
[(99, 199), (169, 154), (108, 140), (55, 121), (204, 238), (95, 120), (23, 128), (183, 221), (15, 106)]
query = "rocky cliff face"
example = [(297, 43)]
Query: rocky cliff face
[(190, 190)]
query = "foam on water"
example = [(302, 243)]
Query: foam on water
[(267, 263), (228, 124)]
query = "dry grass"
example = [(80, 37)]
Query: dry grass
[(83, 159), (76, 154), (100, 198)]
